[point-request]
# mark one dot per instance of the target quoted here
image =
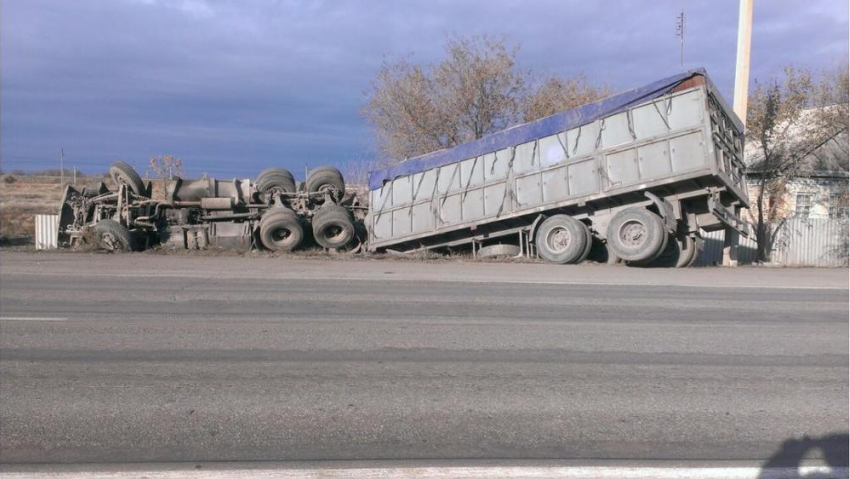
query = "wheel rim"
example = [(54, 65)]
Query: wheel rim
[(120, 179), (558, 239), (109, 241), (334, 233), (633, 233), (282, 236)]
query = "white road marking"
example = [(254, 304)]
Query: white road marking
[(593, 472), (29, 318)]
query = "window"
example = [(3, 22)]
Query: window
[(837, 206), (804, 204)]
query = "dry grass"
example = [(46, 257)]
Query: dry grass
[(21, 200), (23, 197)]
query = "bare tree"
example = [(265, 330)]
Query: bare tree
[(166, 166), (356, 169), (789, 119), (558, 94), (476, 90), (830, 116)]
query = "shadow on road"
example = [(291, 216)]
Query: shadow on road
[(833, 449)]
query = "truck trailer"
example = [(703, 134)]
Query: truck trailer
[(639, 175)]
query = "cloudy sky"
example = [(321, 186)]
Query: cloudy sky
[(232, 87)]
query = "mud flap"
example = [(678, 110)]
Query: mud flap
[(728, 217)]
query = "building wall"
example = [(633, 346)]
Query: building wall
[(824, 193)]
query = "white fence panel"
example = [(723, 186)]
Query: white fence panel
[(46, 231)]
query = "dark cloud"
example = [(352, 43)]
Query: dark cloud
[(232, 87)]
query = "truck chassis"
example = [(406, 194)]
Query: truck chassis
[(273, 212)]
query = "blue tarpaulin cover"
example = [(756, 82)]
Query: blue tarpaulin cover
[(530, 131)]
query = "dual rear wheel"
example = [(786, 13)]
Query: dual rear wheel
[(281, 229), (679, 253), (325, 179), (333, 227), (638, 236), (635, 235)]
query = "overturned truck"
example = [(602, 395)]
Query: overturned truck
[(273, 212), (636, 176)]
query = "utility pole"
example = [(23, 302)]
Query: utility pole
[(742, 65), (62, 168), (680, 32), (75, 175), (742, 81)]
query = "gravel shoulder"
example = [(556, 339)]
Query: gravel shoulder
[(451, 269)]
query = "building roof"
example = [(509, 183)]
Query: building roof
[(829, 158)]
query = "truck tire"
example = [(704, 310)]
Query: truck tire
[(637, 235), (676, 254), (698, 246), (333, 227), (589, 244), (91, 190), (687, 252), (611, 255), (325, 178), (602, 253), (561, 239), (275, 178), (113, 236), (281, 230), (124, 174)]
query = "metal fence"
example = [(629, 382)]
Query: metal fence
[(46, 231), (811, 242), (818, 242)]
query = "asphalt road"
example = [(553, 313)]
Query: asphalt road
[(143, 358)]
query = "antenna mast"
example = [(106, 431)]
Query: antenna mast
[(680, 32)]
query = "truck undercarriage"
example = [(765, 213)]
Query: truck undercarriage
[(273, 212)]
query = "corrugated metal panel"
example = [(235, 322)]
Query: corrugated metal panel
[(798, 242), (712, 252), (811, 242), (531, 131), (46, 231)]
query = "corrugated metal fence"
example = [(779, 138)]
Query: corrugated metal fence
[(46, 231), (811, 242), (796, 242)]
